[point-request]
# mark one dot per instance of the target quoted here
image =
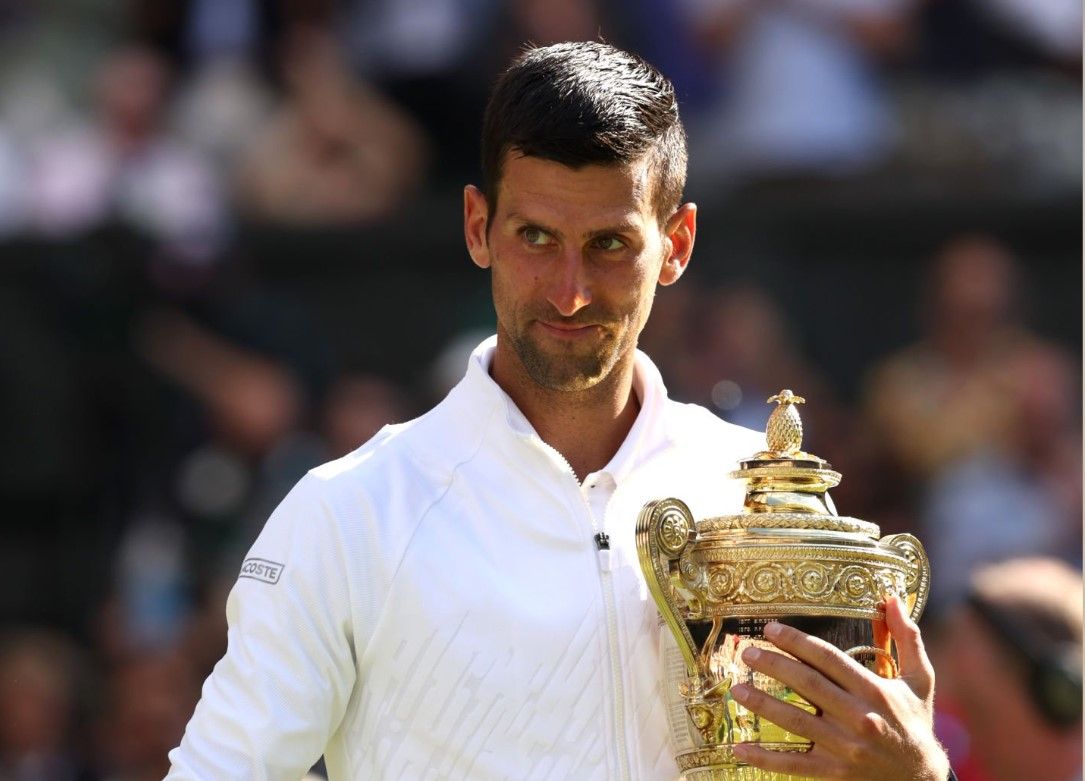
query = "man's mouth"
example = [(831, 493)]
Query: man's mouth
[(565, 330)]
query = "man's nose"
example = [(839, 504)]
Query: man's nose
[(569, 288)]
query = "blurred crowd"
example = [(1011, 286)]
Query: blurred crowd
[(229, 251)]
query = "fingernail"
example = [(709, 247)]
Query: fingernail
[(772, 630), (751, 654)]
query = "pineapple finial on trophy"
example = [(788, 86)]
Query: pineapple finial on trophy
[(784, 430)]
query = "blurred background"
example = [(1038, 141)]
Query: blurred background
[(231, 249)]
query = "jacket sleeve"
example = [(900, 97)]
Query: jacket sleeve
[(272, 702)]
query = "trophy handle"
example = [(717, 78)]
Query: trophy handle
[(664, 528), (918, 581)]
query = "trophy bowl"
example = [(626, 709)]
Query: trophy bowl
[(786, 557)]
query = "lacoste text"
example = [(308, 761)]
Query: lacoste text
[(262, 569)]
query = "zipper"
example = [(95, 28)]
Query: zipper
[(603, 556), (602, 545), (615, 660)]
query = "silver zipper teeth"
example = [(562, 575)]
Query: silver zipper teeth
[(607, 584), (616, 674)]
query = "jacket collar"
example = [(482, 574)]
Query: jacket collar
[(648, 436)]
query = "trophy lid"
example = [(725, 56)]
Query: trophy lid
[(788, 552), (784, 478)]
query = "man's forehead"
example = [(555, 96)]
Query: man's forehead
[(616, 192), (635, 170)]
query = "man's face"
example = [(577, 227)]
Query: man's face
[(575, 256)]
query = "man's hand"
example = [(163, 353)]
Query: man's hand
[(868, 727)]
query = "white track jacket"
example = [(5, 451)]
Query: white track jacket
[(435, 604)]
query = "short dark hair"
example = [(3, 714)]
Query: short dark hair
[(586, 103)]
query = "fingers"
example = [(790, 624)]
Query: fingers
[(868, 727), (915, 666), (805, 765), (805, 679), (823, 656), (791, 717)]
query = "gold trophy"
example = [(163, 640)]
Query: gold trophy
[(786, 557)]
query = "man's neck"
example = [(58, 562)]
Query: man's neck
[(586, 427)]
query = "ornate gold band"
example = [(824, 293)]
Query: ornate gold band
[(828, 580)]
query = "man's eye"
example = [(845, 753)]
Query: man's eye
[(609, 243), (535, 236)]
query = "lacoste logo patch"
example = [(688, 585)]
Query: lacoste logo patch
[(261, 569)]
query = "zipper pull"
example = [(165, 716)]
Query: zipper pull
[(602, 543)]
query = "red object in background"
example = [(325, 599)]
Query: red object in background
[(950, 728)]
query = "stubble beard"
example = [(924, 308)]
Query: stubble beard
[(567, 368)]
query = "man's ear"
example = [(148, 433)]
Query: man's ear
[(475, 223), (679, 233)]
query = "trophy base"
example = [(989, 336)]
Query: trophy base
[(719, 763)]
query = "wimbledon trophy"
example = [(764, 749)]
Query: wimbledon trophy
[(786, 557)]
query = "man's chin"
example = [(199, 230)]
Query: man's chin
[(567, 384), (566, 372)]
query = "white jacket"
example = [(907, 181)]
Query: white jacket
[(434, 604)]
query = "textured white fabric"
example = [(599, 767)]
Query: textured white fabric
[(441, 612)]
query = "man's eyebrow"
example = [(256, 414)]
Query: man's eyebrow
[(620, 227), (624, 226), (517, 217)]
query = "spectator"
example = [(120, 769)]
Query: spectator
[(432, 59), (253, 444), (781, 66), (39, 686), (335, 152), (124, 165), (973, 418), (148, 700), (1009, 662), (544, 22), (356, 408), (748, 341), (220, 107), (949, 394)]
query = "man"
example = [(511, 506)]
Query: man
[(460, 597), (1012, 650)]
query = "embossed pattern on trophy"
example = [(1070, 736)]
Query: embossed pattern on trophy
[(787, 556)]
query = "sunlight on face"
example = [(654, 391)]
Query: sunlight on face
[(576, 255)]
